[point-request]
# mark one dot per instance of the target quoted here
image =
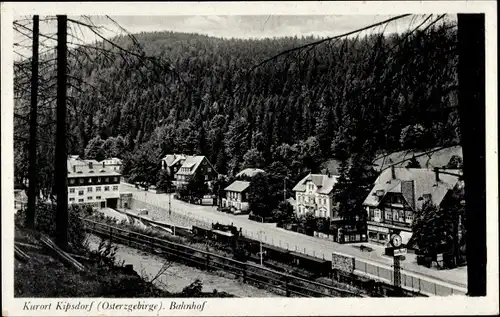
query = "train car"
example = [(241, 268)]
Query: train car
[(276, 254), (222, 237), (319, 266)]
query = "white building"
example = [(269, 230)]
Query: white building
[(92, 183), (114, 163), (314, 193), (236, 196)]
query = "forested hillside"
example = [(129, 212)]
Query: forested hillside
[(340, 98)]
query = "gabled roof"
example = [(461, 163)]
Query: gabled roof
[(437, 157), (237, 186), (250, 172), (171, 159), (192, 163), (324, 183), (424, 182)]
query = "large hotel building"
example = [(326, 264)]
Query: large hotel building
[(92, 183)]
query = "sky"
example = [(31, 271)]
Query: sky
[(225, 26)]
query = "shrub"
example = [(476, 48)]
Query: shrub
[(194, 289)]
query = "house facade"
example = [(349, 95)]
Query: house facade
[(172, 163), (397, 194), (314, 194), (113, 163), (236, 196), (92, 183), (193, 165)]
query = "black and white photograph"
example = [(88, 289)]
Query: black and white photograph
[(212, 162)]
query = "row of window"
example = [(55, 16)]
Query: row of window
[(81, 180), (310, 199), (81, 200), (186, 177), (234, 195), (90, 189), (394, 215), (321, 213)]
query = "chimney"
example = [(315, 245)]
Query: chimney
[(408, 192), (90, 165), (436, 171), (103, 164), (74, 168), (393, 172)]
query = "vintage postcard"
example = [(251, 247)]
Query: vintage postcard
[(249, 158)]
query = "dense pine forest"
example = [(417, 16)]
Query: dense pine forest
[(359, 96)]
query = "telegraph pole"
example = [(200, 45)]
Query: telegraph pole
[(32, 170), (61, 173)]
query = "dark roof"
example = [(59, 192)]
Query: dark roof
[(424, 181)]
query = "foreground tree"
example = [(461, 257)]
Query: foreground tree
[(164, 182), (264, 194), (196, 188)]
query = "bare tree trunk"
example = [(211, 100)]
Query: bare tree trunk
[(471, 73), (61, 172), (32, 170)]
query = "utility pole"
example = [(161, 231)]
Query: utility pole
[(61, 173), (32, 169), (169, 204), (472, 105)]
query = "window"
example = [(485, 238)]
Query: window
[(80, 200), (377, 213), (98, 197), (72, 181), (71, 199), (89, 189), (106, 179), (209, 169), (81, 180), (409, 217), (89, 198), (90, 179), (106, 188), (115, 188), (98, 188), (388, 214), (72, 190), (395, 215), (206, 177), (80, 193)]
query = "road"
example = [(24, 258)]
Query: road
[(373, 264)]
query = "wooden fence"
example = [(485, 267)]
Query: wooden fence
[(281, 283)]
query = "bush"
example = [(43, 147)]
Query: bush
[(45, 222), (194, 289)]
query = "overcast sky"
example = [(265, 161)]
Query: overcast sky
[(226, 26)]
